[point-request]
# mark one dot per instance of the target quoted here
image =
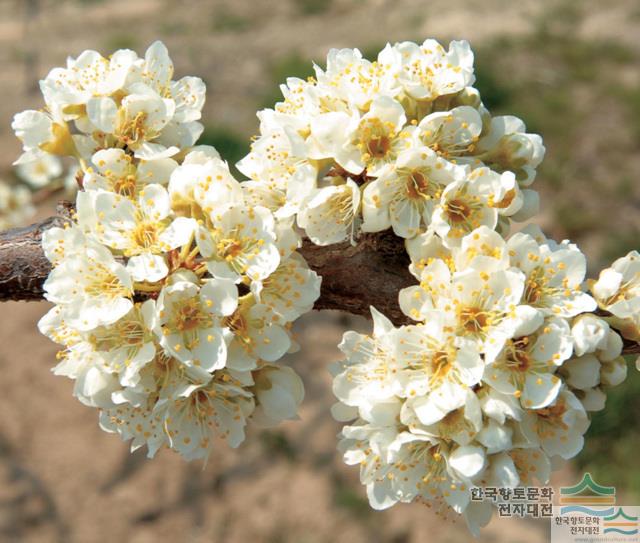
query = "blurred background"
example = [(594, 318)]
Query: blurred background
[(570, 69)]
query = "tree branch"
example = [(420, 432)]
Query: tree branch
[(357, 277), (353, 277), (23, 266)]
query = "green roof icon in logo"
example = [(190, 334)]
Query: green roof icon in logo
[(587, 483), (622, 514)]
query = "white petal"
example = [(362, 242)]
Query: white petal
[(583, 372), (147, 267), (608, 283), (381, 495), (154, 202), (468, 461), (155, 151), (103, 112), (220, 296), (540, 390), (179, 232)]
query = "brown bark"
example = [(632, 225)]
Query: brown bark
[(369, 274), (353, 278), (23, 266)]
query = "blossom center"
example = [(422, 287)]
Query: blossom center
[(440, 367), (520, 355), (375, 139), (190, 316), (125, 185), (229, 248), (505, 202), (130, 332), (550, 419), (418, 186), (134, 130), (535, 286), (458, 211), (473, 319), (103, 282), (145, 235), (240, 326), (378, 147)]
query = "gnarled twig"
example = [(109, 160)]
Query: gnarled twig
[(353, 277)]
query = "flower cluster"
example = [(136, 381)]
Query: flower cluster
[(16, 206), (402, 142), (493, 382), (16, 199), (174, 294), (40, 171), (122, 102), (617, 292)]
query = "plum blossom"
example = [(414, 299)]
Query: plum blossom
[(174, 286), (143, 230)]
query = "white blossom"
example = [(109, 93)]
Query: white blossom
[(240, 242), (290, 290), (559, 428), (508, 147), (617, 291), (357, 143), (467, 204), (405, 194), (279, 392), (258, 333), (329, 215), (451, 134), (201, 412), (91, 286), (142, 231), (429, 71), (527, 364), (115, 171), (40, 171), (554, 274), (16, 206), (190, 324)]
